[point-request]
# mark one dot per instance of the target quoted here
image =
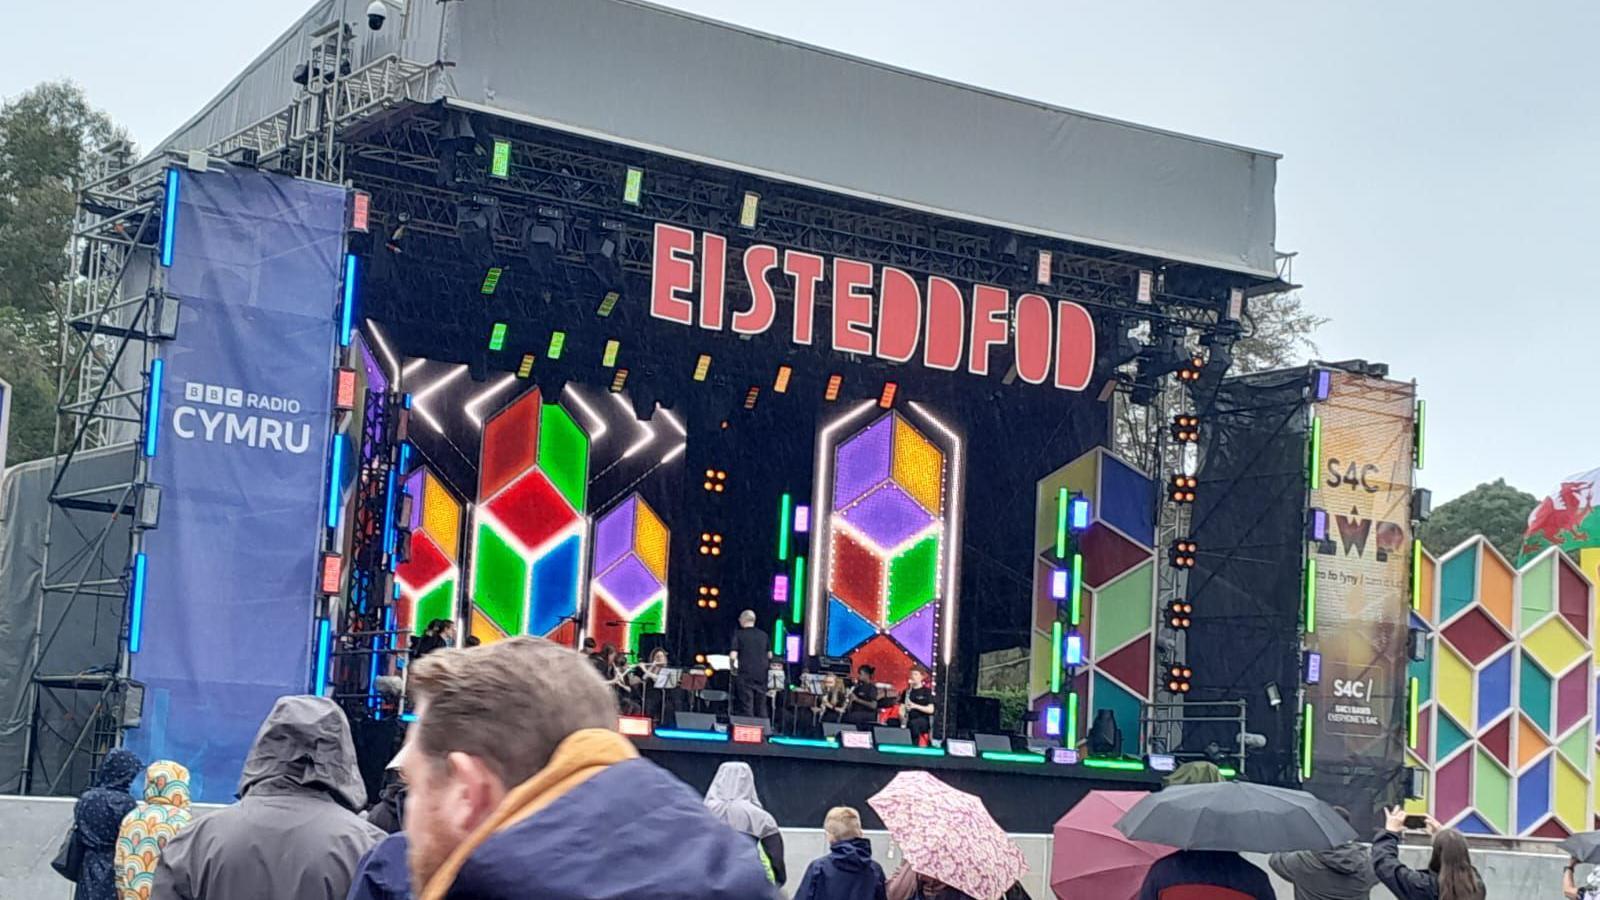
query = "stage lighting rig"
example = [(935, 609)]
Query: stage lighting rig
[(602, 251), (1185, 428), (1179, 679), (1181, 489), (1182, 553), (1179, 615)]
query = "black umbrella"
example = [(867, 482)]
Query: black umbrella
[(1584, 846), (1249, 818)]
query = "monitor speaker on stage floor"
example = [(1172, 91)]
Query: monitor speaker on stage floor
[(884, 735), (693, 721), (993, 743), (764, 724), (832, 729)]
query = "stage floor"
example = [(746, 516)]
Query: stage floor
[(798, 785)]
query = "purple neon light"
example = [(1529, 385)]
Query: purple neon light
[(613, 534), (802, 519), (1319, 524), (780, 588), (414, 488), (377, 382), (1324, 385), (888, 517), (791, 646), (915, 633), (631, 584), (1313, 668), (863, 461)]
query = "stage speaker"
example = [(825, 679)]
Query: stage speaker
[(993, 743), (838, 665), (884, 735), (974, 714), (649, 643), (1104, 735), (764, 724), (832, 729), (693, 721)]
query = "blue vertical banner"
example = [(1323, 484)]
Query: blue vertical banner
[(240, 448)]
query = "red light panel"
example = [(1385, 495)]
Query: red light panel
[(886, 399), (344, 394), (856, 740), (834, 381), (360, 211), (634, 726), (332, 572), (747, 734)]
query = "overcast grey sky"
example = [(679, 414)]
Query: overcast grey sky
[(1441, 171)]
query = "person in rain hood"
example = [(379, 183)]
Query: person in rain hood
[(519, 786), (1341, 873), (295, 831), (732, 798), (98, 816), (1200, 869), (147, 830), (848, 872)]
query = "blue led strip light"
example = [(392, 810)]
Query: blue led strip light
[(335, 476), (152, 406), (390, 536), (136, 604), (169, 218), (347, 312), (677, 734), (322, 657)]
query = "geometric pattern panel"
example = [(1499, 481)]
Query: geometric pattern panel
[(1451, 737), (1494, 690), (1495, 587), (429, 577), (1454, 680), (1535, 695), (1122, 609), (1575, 596), (1554, 645), (886, 528), (531, 534), (1491, 793), (1538, 589), (1458, 583), (1533, 795), (1530, 743), (629, 585), (1475, 635)]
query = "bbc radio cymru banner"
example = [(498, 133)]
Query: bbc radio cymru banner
[(1363, 590), (240, 454)]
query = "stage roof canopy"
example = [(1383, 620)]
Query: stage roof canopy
[(639, 74)]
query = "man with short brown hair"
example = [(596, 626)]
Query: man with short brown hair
[(519, 786)]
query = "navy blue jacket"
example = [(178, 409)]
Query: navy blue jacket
[(383, 872), (848, 872), (631, 831), (1222, 869)]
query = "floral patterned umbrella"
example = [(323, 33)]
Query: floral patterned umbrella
[(947, 834)]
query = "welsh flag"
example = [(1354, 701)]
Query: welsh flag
[(1567, 518)]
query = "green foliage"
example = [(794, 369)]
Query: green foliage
[(1013, 703), (1496, 510), (46, 138), (1278, 333)]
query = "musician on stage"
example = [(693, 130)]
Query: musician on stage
[(657, 702), (834, 701), (917, 704), (862, 711)]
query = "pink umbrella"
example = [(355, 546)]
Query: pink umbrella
[(1092, 860), (948, 834)]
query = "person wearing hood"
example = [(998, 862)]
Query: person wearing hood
[(147, 830), (732, 798), (296, 830), (848, 872), (518, 785), (1341, 873), (98, 816)]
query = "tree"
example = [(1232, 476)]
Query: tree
[(1278, 333), (1495, 510), (47, 137)]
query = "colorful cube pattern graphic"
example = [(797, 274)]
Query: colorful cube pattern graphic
[(886, 532), (630, 582), (1505, 723), (1118, 607), (529, 532), (429, 580)]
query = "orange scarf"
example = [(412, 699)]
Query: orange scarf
[(583, 755)]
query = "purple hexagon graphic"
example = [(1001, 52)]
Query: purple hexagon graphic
[(630, 584), (888, 516), (863, 462)]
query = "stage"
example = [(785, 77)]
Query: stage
[(798, 785)]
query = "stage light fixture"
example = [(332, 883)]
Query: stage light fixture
[(834, 383), (710, 543), (619, 380), (558, 341), (702, 367), (1042, 267), (1421, 504), (792, 649), (780, 384), (802, 519), (1185, 429), (780, 587), (500, 160), (360, 211), (1182, 553), (634, 726), (1058, 584), (749, 210), (607, 304), (1313, 674), (1190, 371), (136, 584), (1072, 654), (525, 368), (1078, 513), (1178, 679), (332, 573), (609, 359), (751, 396), (1178, 615), (886, 399), (1317, 524), (855, 740), (961, 748), (344, 392), (1181, 489), (716, 480), (1321, 384), (748, 734), (1145, 292), (1235, 308), (1274, 695), (497, 336), (632, 186)]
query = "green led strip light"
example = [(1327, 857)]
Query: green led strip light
[(910, 750), (1055, 657), (1314, 457), (491, 279), (1072, 720), (1422, 429), (1062, 501), (500, 166), (1307, 729), (1416, 574), (797, 587), (558, 339), (996, 756), (1412, 710), (497, 337), (633, 186), (1077, 589), (1121, 765), (778, 635), (783, 527), (1311, 595), (802, 742)]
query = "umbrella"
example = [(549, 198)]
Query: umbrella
[(1249, 818), (1091, 859), (947, 834), (1584, 846)]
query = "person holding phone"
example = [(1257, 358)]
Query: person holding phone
[(1450, 874), (1340, 873), (1589, 890)]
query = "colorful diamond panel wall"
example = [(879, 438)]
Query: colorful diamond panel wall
[(530, 532), (630, 582), (886, 534), (1505, 724), (1118, 603), (429, 581)]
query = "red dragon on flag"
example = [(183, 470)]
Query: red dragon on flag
[(1566, 518)]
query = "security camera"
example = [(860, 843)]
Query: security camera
[(377, 11)]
